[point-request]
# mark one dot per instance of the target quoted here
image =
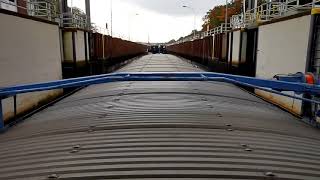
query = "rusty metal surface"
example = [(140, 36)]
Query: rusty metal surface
[(103, 47), (161, 130), (209, 51)]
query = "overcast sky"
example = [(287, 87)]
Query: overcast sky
[(160, 20)]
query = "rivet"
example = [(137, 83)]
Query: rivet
[(229, 125), (53, 176), (248, 149), (270, 174), (76, 147), (110, 107), (230, 129), (204, 99), (219, 115), (244, 145)]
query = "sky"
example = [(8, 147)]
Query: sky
[(154, 20)]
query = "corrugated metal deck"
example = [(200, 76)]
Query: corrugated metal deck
[(161, 130)]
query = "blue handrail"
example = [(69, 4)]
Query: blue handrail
[(273, 86)]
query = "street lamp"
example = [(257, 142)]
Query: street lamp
[(111, 14), (226, 20), (193, 10)]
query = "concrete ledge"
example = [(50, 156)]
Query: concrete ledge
[(305, 13), (3, 11)]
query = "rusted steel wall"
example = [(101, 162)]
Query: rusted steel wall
[(217, 47), (207, 50), (97, 46), (210, 51), (104, 47)]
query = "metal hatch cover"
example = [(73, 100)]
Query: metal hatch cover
[(161, 130)]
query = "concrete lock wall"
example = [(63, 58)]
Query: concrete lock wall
[(79, 45), (282, 49), (235, 48), (29, 53), (68, 46)]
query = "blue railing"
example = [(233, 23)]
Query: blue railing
[(273, 86)]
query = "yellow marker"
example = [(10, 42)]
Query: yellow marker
[(315, 11)]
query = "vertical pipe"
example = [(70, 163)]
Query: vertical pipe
[(111, 8), (250, 6), (88, 13), (255, 7), (74, 53), (244, 7), (230, 52), (86, 50), (71, 6), (63, 6), (63, 10)]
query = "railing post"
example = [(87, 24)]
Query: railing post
[(1, 116)]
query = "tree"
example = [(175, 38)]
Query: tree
[(171, 41), (216, 16)]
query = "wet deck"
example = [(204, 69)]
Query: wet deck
[(136, 130)]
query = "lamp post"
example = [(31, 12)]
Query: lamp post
[(226, 18), (88, 13), (111, 13), (194, 25)]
